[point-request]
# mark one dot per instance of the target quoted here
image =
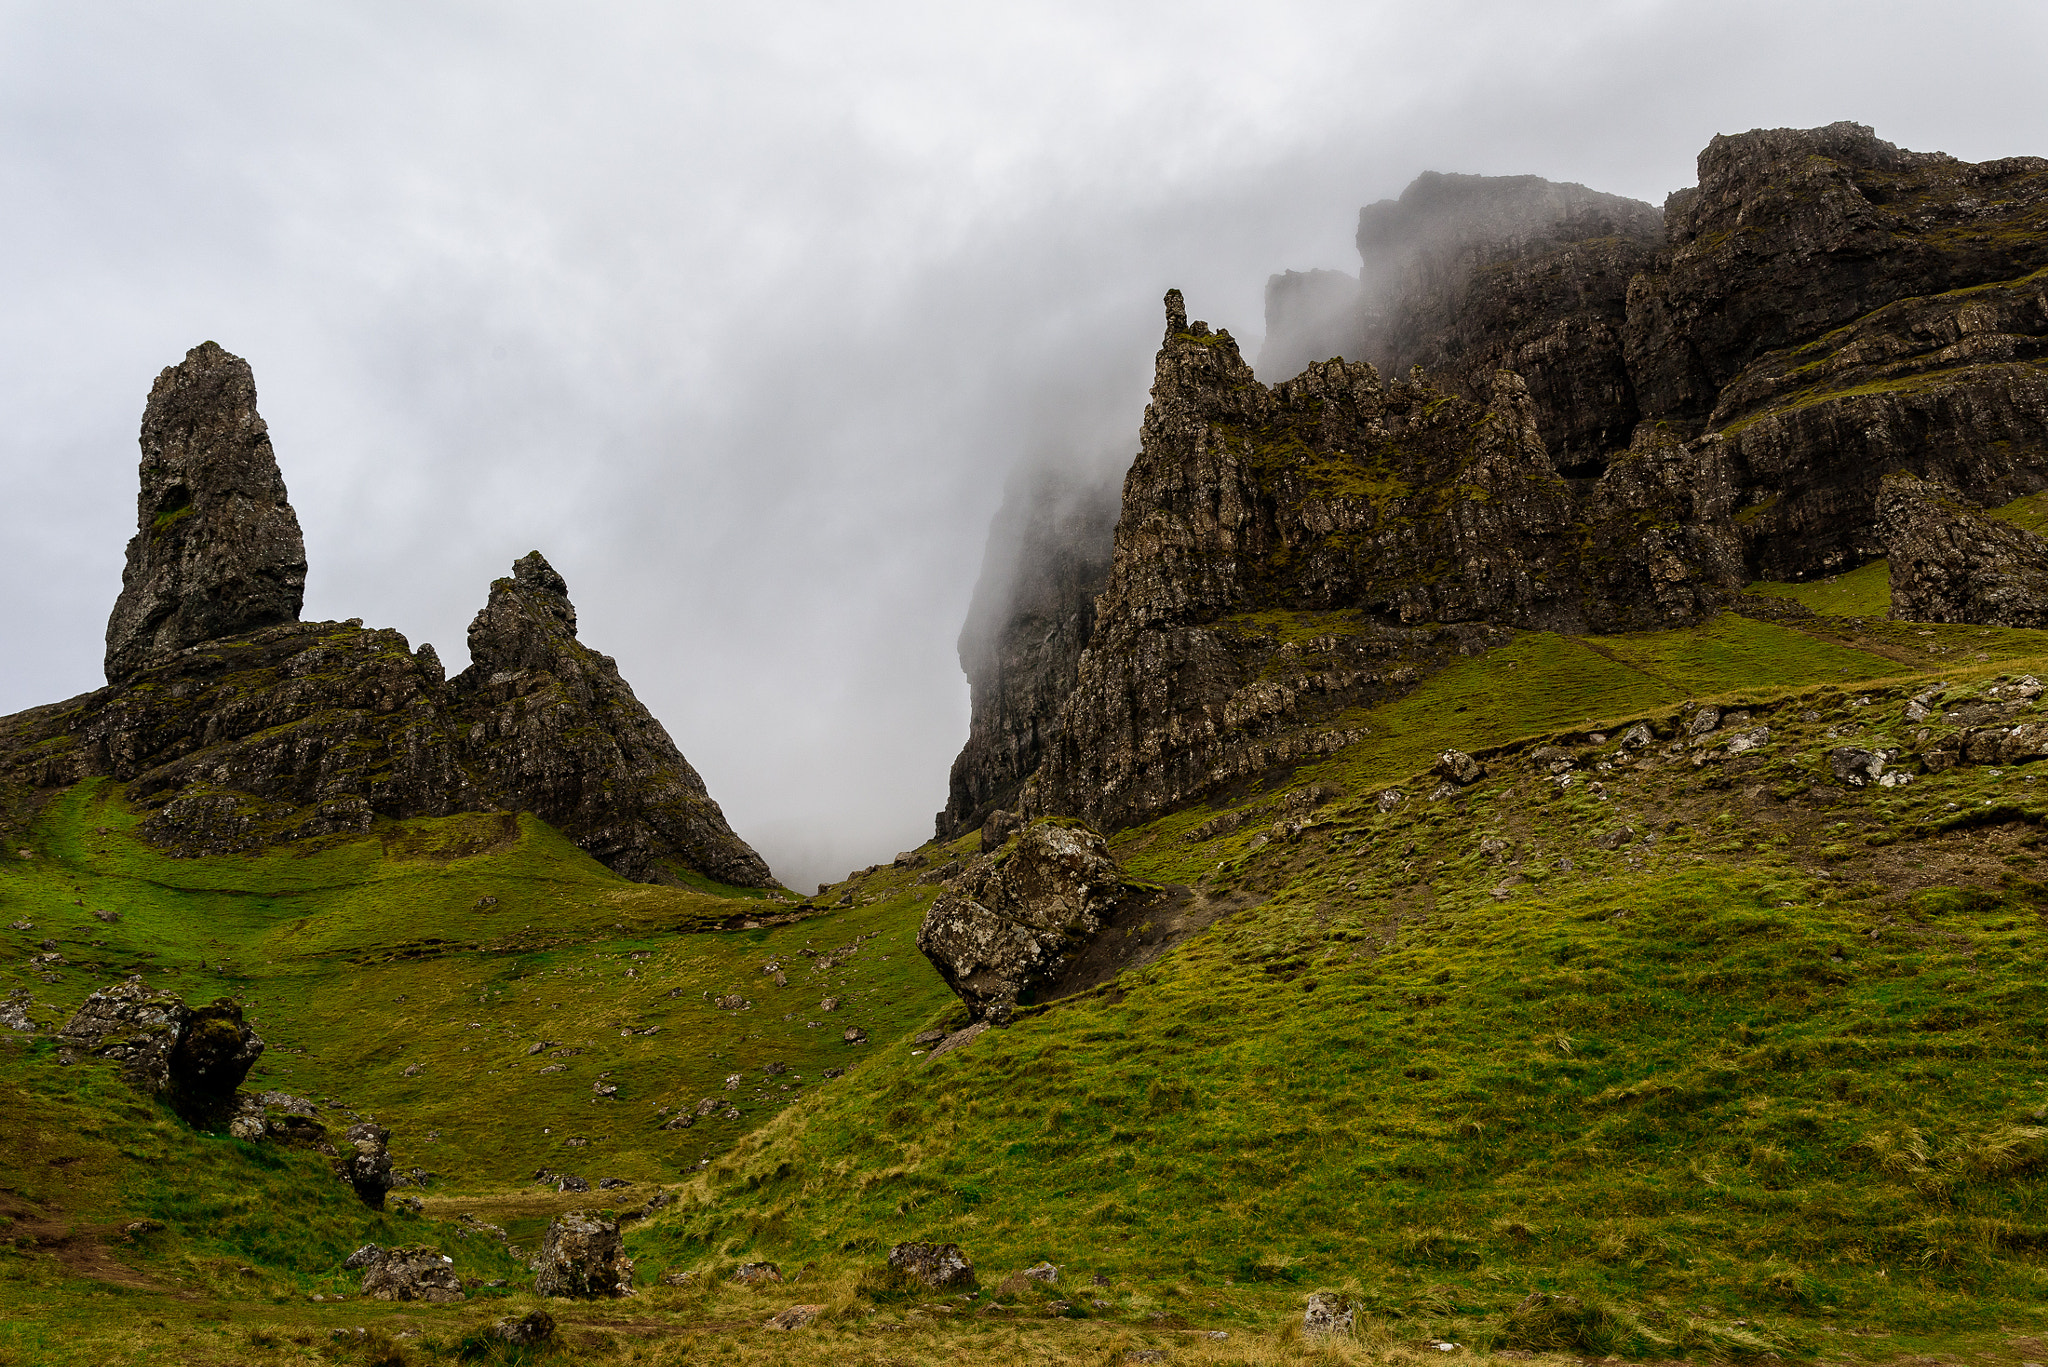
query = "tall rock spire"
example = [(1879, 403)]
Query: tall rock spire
[(217, 549)]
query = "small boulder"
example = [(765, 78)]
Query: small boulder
[(536, 1328), (366, 1163), (757, 1274), (569, 1181), (855, 1035), (1855, 766), (1043, 1272), (941, 1267), (1703, 721), (1326, 1314), (582, 1256), (416, 1273), (796, 1317), (997, 828), (1460, 768), (361, 1258)]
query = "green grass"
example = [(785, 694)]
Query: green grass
[(1862, 592)]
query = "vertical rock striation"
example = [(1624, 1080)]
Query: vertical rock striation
[(1950, 563), (217, 549)]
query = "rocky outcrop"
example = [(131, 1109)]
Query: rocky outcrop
[(365, 1162), (217, 549), (582, 1256), (1009, 923), (416, 1273), (1950, 563), (1287, 554), (551, 728), (1031, 617), (280, 1118), (1468, 275), (192, 1058), (232, 739), (935, 1267)]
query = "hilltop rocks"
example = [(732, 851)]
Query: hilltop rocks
[(1950, 563), (1007, 926), (582, 1256), (217, 549), (415, 1273), (1031, 617), (193, 1058), (235, 726)]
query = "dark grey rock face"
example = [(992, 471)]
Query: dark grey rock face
[(1467, 275), (365, 1162), (217, 549), (1032, 616), (192, 1057), (1950, 563), (551, 728), (1003, 928)]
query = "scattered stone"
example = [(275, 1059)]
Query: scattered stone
[(940, 1267), (829, 1004), (534, 1329), (1703, 721), (676, 1277), (796, 1317), (1749, 740), (1043, 1272), (612, 1183), (1856, 766), (582, 1256), (731, 1002), (1390, 799), (108, 916), (361, 1258), (605, 1089), (14, 1011), (279, 1117), (1326, 1314), (1637, 736), (413, 1070), (855, 1035), (1459, 768), (570, 1182), (417, 1273), (757, 1274)]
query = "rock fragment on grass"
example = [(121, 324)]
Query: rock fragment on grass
[(534, 1329), (1326, 1315), (940, 1267), (583, 1256), (757, 1274), (415, 1273), (796, 1317)]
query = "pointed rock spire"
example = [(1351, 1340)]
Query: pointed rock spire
[(217, 548)]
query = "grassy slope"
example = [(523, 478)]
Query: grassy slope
[(1434, 1076)]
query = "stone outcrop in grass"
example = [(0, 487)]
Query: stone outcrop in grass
[(582, 1256), (936, 1267), (1010, 923), (415, 1273), (365, 1162), (194, 1058)]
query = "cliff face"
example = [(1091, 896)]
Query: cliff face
[(1466, 275), (1622, 417), (1032, 615), (1288, 553), (234, 738)]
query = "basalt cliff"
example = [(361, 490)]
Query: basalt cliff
[(1541, 407), (235, 725)]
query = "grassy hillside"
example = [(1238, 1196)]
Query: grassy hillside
[(1722, 1056)]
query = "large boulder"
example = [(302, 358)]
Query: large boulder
[(583, 1256), (1951, 563), (1009, 924), (192, 1058), (217, 549), (417, 1273)]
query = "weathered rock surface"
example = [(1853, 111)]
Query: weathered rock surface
[(365, 1162), (414, 1273), (583, 1256), (278, 1117), (217, 548), (551, 728), (940, 1267), (534, 1328), (1006, 926), (235, 726), (1031, 617), (1467, 275), (1950, 563), (1285, 554), (1326, 1314), (193, 1058)]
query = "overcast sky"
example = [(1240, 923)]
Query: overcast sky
[(741, 314)]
